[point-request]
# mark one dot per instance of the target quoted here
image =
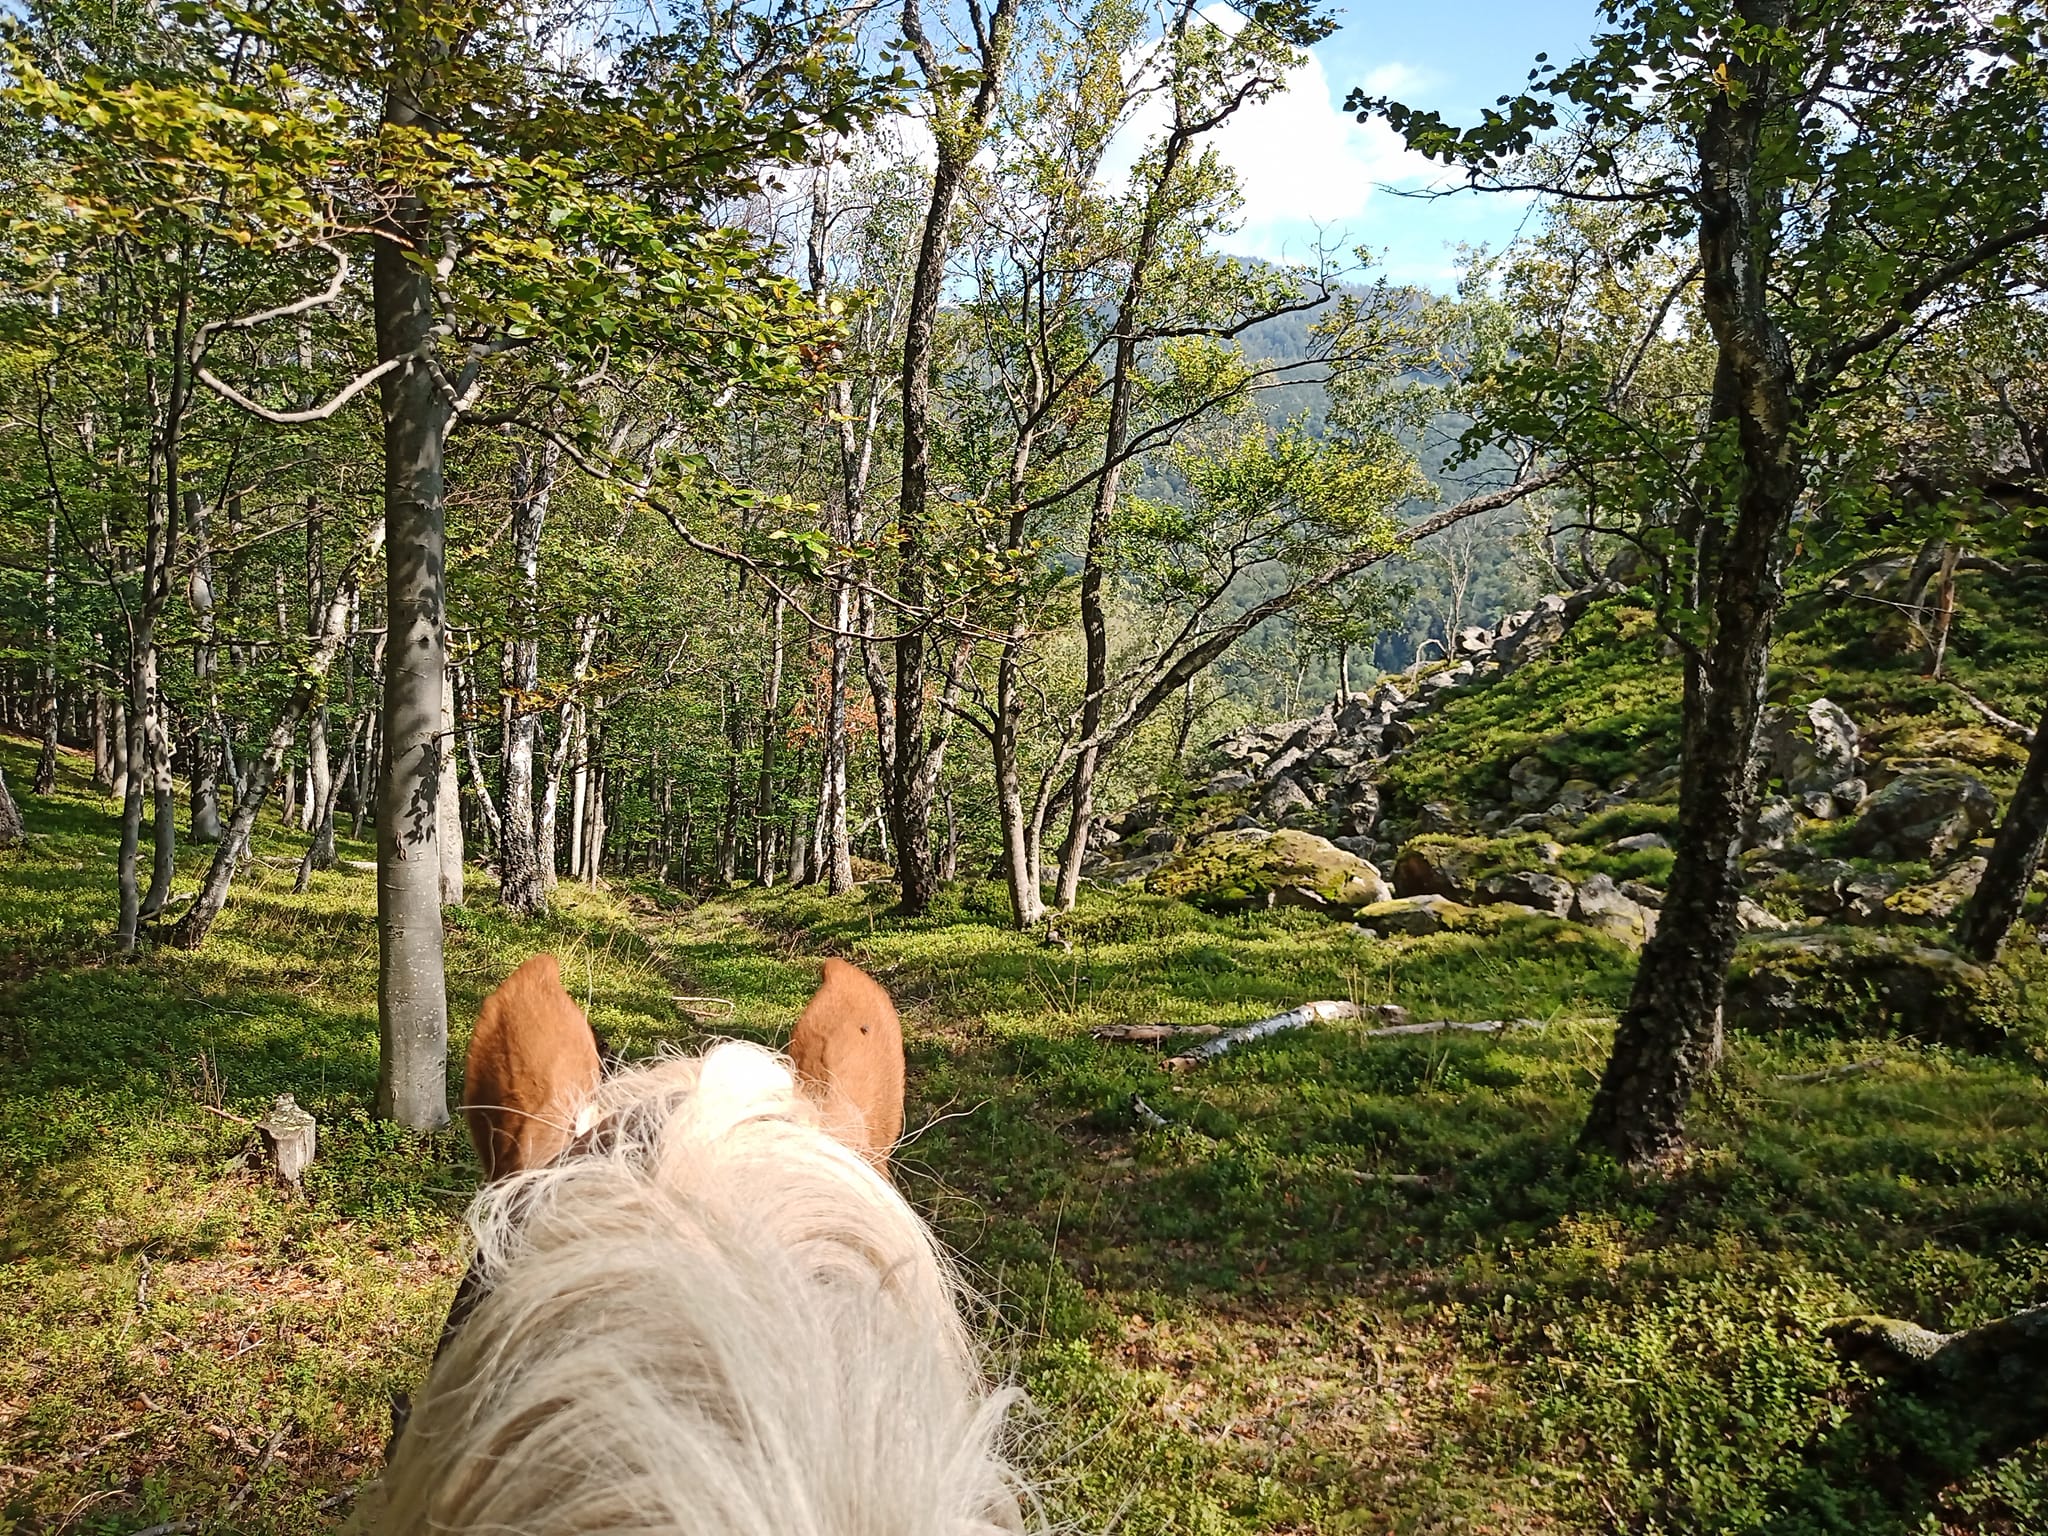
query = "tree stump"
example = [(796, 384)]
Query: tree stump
[(288, 1134)]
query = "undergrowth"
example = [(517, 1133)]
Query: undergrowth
[(1351, 1284)]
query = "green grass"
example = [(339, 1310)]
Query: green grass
[(1235, 1324)]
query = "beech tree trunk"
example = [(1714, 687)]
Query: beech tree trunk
[(412, 998), (206, 746), (448, 797), (163, 802), (771, 730), (521, 884), (45, 780), (102, 743), (1989, 914)]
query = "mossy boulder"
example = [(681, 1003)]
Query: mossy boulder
[(1864, 984), (1237, 871), (1441, 864), (1926, 813), (1414, 916)]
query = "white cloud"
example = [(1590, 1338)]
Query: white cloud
[(1307, 171)]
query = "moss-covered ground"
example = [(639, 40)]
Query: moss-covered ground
[(1257, 1319)]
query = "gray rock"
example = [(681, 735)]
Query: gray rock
[(1936, 902), (1397, 735), (1438, 816), (1535, 821), (1472, 641), (1284, 762), (1599, 904), (1755, 918), (1815, 748), (1530, 888), (1641, 842), (1437, 682), (1848, 795), (1412, 916), (1776, 820), (1816, 804), (1314, 736), (1543, 628), (1532, 781), (1227, 783), (1574, 799), (1131, 871), (1642, 895), (1288, 797), (1863, 984), (1358, 847), (1924, 814), (1435, 869)]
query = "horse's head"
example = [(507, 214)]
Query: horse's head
[(534, 1065), (697, 1302)]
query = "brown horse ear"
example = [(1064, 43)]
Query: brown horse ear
[(532, 1065), (848, 1054)]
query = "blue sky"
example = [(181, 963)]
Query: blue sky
[(1304, 163)]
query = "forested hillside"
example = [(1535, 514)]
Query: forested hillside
[(1459, 872)]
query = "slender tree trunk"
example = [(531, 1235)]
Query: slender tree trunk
[(1989, 914), (764, 790), (466, 718), (102, 743), (131, 777), (45, 780), (729, 829), (191, 929), (1670, 1033), (412, 995), (1116, 442), (118, 758), (1944, 610), (1020, 861), (579, 791), (319, 763), (522, 886), (590, 820), (565, 744), (448, 798), (908, 782), (163, 800), (206, 747)]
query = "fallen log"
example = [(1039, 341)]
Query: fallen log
[(1319, 1013), (1981, 1393), (1154, 1034), (1829, 1074)]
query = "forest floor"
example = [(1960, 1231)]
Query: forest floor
[(1236, 1323)]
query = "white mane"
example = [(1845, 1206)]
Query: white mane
[(711, 1318)]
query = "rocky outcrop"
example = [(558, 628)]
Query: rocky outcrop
[(1925, 813), (1600, 905), (1411, 916), (1236, 871), (1437, 867), (1867, 983), (1530, 888)]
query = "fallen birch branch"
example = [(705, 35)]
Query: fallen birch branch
[(1829, 1074), (1319, 1013), (1154, 1034)]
